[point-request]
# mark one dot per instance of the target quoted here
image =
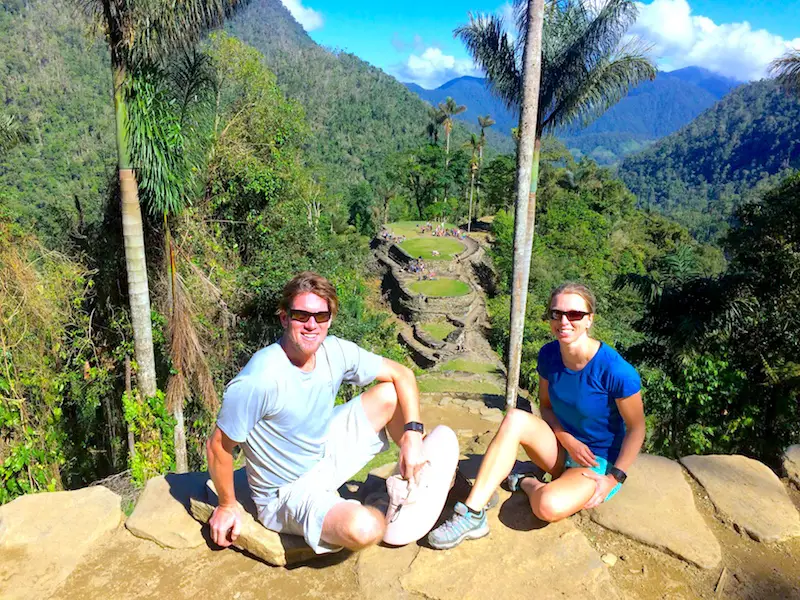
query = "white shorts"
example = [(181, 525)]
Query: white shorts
[(300, 507)]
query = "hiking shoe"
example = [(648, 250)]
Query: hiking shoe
[(462, 525), (514, 480)]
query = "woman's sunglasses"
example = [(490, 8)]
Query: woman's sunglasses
[(303, 316), (572, 315)]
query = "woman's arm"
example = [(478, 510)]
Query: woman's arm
[(632, 411), (579, 451)]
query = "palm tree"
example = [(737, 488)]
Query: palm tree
[(484, 123), (474, 144), (141, 37), (435, 119), (585, 69), (448, 109), (11, 133), (787, 70)]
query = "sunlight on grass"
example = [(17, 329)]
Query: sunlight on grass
[(468, 366), (447, 248), (409, 229), (438, 329), (440, 288), (427, 386), (391, 455)]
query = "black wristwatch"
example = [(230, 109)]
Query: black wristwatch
[(414, 426), (617, 474)]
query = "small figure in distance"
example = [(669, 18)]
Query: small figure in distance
[(590, 432), (300, 448)]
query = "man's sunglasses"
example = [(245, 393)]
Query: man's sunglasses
[(572, 315), (303, 316)]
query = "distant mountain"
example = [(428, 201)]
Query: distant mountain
[(699, 174), (650, 111), (358, 114)]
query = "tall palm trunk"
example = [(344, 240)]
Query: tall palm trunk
[(135, 261), (527, 174), (471, 192)]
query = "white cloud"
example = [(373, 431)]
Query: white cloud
[(309, 18), (433, 67), (681, 39)]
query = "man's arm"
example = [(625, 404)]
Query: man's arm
[(405, 385), (226, 521)]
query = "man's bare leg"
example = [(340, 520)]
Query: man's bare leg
[(352, 525)]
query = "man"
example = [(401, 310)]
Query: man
[(299, 448)]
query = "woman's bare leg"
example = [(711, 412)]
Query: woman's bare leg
[(560, 498), (518, 427)]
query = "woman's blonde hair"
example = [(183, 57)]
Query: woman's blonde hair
[(572, 287)]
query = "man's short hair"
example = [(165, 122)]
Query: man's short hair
[(309, 282)]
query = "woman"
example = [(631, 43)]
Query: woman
[(591, 429)]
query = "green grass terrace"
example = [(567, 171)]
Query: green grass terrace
[(424, 247), (440, 288), (438, 330)]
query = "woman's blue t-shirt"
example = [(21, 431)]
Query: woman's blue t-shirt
[(585, 401)]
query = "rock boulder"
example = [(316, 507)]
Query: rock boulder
[(46, 535), (656, 507), (162, 512), (791, 464), (747, 493), (274, 548)]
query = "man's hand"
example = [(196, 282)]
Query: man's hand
[(579, 451), (603, 486), (225, 523), (412, 458)]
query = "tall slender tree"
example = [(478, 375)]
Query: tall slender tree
[(484, 123), (474, 144), (449, 109), (586, 67), (142, 36)]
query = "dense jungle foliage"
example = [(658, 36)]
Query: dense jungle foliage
[(728, 155), (277, 175)]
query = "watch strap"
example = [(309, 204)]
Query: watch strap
[(414, 426), (617, 474)]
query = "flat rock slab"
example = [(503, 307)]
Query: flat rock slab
[(520, 558), (791, 464), (747, 493), (44, 536), (656, 507), (274, 548), (162, 511), (380, 569)]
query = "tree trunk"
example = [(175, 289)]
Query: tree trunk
[(471, 192), (135, 261), (181, 462), (129, 392), (526, 193)]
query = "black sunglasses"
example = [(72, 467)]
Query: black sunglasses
[(572, 315), (303, 316)]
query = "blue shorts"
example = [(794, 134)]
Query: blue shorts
[(601, 469)]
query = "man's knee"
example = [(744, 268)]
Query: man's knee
[(382, 398), (366, 528)]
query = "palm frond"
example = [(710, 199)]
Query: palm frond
[(11, 133), (150, 31), (602, 87), (787, 71), (494, 51)]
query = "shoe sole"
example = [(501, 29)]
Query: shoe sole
[(472, 534)]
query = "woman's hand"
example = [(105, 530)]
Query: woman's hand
[(603, 486), (579, 451), (412, 457)]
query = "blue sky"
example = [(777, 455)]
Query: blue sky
[(413, 40)]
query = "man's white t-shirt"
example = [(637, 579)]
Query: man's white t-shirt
[(280, 415)]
